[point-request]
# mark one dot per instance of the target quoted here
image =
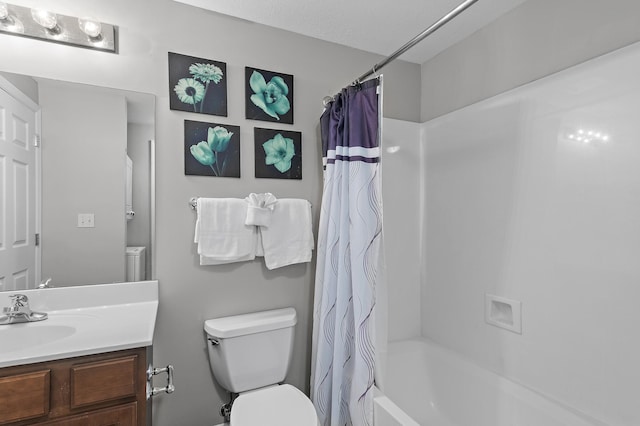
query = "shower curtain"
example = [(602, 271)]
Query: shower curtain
[(348, 264)]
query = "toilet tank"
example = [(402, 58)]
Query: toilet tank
[(251, 351)]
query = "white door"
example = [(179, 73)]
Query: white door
[(19, 260)]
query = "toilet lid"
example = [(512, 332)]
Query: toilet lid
[(282, 405)]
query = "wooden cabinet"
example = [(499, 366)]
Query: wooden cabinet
[(96, 390)]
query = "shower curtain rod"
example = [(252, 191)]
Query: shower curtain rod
[(417, 39)]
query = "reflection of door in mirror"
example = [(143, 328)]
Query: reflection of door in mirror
[(18, 186), (128, 191)]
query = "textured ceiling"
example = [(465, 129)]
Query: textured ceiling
[(378, 26)]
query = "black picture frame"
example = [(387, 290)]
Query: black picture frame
[(268, 94), (274, 161), (197, 85), (223, 156)]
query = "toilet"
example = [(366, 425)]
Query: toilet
[(250, 355)]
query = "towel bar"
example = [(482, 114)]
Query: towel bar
[(193, 203)]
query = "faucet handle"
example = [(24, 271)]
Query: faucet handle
[(45, 284), (19, 300)]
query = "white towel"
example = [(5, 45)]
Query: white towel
[(289, 237), (260, 209), (221, 234)]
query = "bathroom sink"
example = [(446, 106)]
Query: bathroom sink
[(82, 320), (18, 337)]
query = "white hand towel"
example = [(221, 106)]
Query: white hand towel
[(221, 234), (260, 209), (289, 237)]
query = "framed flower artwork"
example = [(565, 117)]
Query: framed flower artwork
[(197, 85), (268, 96), (278, 153), (211, 149)]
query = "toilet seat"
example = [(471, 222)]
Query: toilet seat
[(282, 405)]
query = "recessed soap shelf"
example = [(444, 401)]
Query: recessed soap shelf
[(503, 313)]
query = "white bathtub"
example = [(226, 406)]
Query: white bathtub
[(428, 385)]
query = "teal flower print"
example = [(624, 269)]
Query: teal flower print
[(212, 151), (203, 153), (279, 151), (218, 138), (193, 90), (189, 91), (206, 72), (270, 97)]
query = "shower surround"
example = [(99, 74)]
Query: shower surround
[(532, 195)]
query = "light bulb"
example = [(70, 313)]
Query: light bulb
[(44, 18), (4, 12), (90, 27)]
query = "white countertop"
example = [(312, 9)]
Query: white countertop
[(83, 320)]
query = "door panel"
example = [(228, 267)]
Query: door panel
[(18, 156)]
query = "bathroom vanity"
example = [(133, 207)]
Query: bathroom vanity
[(86, 364), (103, 389)]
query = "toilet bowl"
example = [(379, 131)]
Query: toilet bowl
[(249, 356)]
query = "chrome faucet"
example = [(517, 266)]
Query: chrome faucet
[(19, 311), (45, 284)]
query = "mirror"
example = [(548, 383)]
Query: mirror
[(95, 180)]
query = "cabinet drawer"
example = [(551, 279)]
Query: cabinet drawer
[(95, 382), (25, 396), (123, 415)]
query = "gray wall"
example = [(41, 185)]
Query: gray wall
[(84, 134), (189, 293), (536, 39)]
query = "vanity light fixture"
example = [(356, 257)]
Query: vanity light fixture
[(91, 27), (46, 25), (47, 20)]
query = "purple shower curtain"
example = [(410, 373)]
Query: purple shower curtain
[(343, 354)]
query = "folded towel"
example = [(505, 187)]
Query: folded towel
[(220, 231), (260, 208), (289, 237), (208, 261), (258, 253)]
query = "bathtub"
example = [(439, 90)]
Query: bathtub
[(428, 385)]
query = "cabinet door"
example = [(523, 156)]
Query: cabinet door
[(100, 381), (24, 396), (121, 415)]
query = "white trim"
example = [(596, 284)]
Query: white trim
[(16, 93)]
